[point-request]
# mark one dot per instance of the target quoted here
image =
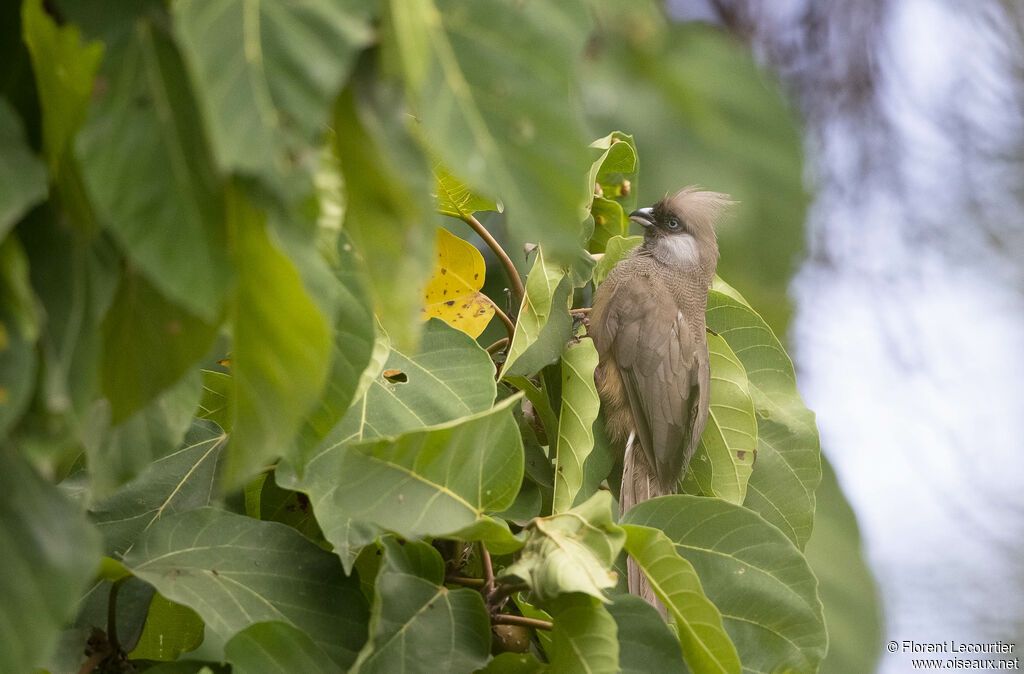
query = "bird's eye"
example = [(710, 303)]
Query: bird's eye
[(672, 223)]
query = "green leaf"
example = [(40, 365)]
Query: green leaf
[(580, 405), (571, 551), (215, 404), (236, 571), (616, 250), (74, 277), (266, 72), (177, 482), (50, 554), (350, 356), (753, 574), (454, 198), (609, 221), (64, 70), (281, 348), (723, 461), (22, 175), (417, 620), (788, 468), (133, 598), (437, 481), (149, 342), (544, 324), (390, 217), (276, 648), (853, 610), (117, 454), (706, 646), (505, 133), (148, 171), (171, 629), (18, 332), (448, 377), (584, 637), (613, 175), (616, 169), (646, 643)]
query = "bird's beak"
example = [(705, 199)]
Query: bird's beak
[(643, 216)]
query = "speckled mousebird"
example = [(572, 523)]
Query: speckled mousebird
[(649, 329)]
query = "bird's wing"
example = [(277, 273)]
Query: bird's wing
[(656, 354)]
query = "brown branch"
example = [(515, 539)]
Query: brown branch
[(510, 328), (506, 619), (485, 560), (506, 262), (498, 346), (504, 591)]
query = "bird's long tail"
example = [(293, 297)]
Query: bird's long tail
[(638, 485)]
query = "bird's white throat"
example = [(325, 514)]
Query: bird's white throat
[(678, 250)]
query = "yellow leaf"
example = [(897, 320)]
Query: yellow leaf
[(453, 292)]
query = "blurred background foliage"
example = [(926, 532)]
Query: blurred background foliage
[(182, 220)]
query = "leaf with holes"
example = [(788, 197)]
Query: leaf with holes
[(447, 377), (453, 291), (235, 571), (436, 481)]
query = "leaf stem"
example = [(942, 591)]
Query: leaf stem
[(504, 591), (467, 582), (499, 345), (506, 262), (485, 560), (506, 619), (510, 327)]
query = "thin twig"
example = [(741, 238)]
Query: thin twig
[(466, 582), (506, 262), (498, 346), (510, 328), (504, 591), (485, 560), (506, 619)]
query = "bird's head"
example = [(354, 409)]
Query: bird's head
[(679, 230)]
